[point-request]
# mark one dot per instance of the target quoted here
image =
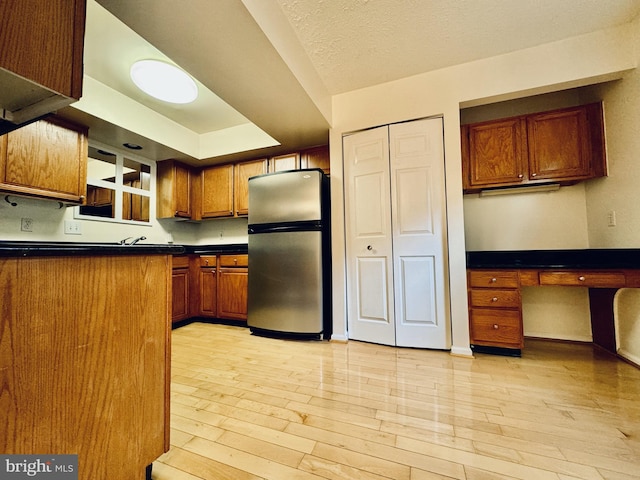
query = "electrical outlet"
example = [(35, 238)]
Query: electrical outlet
[(26, 225), (72, 227)]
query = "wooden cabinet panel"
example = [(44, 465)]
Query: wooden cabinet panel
[(76, 376), (583, 279), (173, 185), (180, 294), (496, 327), (496, 298), (496, 153), (42, 42), (239, 260), (208, 292), (244, 171), (493, 278), (180, 288), (495, 308), (281, 163), (232, 293), (316, 157), (216, 191), (564, 146), (46, 159), (559, 145)]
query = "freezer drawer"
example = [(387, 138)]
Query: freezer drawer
[(294, 196), (285, 282)]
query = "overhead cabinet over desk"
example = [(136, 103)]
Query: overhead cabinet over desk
[(560, 146), (222, 191)]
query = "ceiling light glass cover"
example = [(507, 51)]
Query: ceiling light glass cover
[(164, 81)]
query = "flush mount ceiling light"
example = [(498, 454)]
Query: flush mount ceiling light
[(164, 81)]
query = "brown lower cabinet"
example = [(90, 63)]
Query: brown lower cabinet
[(210, 286)]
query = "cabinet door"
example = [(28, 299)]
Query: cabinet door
[(232, 293), (180, 294), (217, 191), (43, 41), (208, 292), (46, 159), (559, 145), (173, 184), (244, 171), (290, 161), (317, 157), (496, 153)]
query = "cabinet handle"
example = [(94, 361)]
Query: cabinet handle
[(494, 299), (520, 176), (235, 260), (534, 174), (369, 247), (495, 326), (494, 280), (206, 262), (581, 278)]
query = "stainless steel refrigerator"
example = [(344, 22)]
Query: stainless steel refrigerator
[(289, 254)]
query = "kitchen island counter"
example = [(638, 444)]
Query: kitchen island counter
[(45, 249)]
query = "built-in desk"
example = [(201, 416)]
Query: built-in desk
[(495, 279)]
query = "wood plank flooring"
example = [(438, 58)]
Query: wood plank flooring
[(247, 407)]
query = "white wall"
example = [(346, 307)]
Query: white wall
[(569, 63), (621, 192)]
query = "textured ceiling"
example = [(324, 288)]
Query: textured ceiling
[(359, 43), (276, 63)]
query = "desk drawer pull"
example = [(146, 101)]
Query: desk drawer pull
[(494, 280), (495, 326), (494, 299), (581, 278)]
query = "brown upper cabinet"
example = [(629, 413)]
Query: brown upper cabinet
[(222, 191), (46, 159), (281, 163), (41, 63), (564, 146), (174, 190), (243, 172), (316, 157), (216, 192)]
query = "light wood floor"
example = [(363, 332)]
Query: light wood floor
[(246, 407)]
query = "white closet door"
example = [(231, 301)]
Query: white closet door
[(368, 231), (419, 233)]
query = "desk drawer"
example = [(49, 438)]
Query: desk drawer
[(493, 278), (500, 328), (577, 278), (496, 298)]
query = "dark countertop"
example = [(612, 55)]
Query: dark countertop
[(592, 258), (45, 249), (215, 249)]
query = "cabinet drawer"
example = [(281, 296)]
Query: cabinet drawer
[(496, 298), (207, 260), (500, 328), (180, 261), (583, 279), (241, 260), (493, 278)]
